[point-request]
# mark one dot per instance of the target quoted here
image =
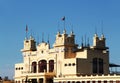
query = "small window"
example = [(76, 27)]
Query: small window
[(68, 81), (65, 64), (73, 64), (42, 51), (73, 81), (83, 81), (16, 68), (21, 68), (69, 64)]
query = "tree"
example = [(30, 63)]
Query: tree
[(6, 78)]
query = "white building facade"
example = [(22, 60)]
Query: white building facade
[(65, 62)]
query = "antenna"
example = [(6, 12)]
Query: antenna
[(42, 37), (48, 38), (58, 26), (37, 39), (95, 30), (88, 42), (85, 40), (102, 27), (31, 33), (82, 42), (71, 28)]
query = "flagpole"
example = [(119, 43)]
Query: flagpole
[(64, 24), (63, 19)]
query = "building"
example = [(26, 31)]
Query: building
[(65, 62)]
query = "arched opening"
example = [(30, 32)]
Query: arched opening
[(51, 65), (42, 65), (34, 67)]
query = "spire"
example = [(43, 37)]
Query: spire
[(26, 31), (95, 35), (102, 36), (72, 33), (58, 32)]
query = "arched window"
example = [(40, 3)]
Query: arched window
[(42, 65), (95, 65), (51, 65), (34, 67)]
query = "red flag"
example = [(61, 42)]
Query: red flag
[(63, 19)]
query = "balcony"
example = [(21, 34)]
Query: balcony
[(48, 74)]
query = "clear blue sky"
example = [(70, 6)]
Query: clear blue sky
[(45, 16)]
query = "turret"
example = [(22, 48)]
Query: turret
[(99, 43), (66, 43), (29, 44), (95, 40), (64, 39)]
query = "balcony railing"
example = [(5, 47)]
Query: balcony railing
[(39, 73)]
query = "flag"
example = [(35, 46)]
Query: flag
[(63, 19), (26, 28)]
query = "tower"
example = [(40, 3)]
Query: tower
[(99, 43), (29, 45), (66, 43)]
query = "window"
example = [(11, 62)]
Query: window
[(34, 67), (88, 81), (65, 64), (16, 68), (83, 81), (98, 66), (21, 68), (93, 81), (101, 66), (95, 65), (111, 81), (118, 81), (42, 51), (78, 82), (73, 64), (99, 81), (105, 81), (51, 65), (69, 64), (42, 65)]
